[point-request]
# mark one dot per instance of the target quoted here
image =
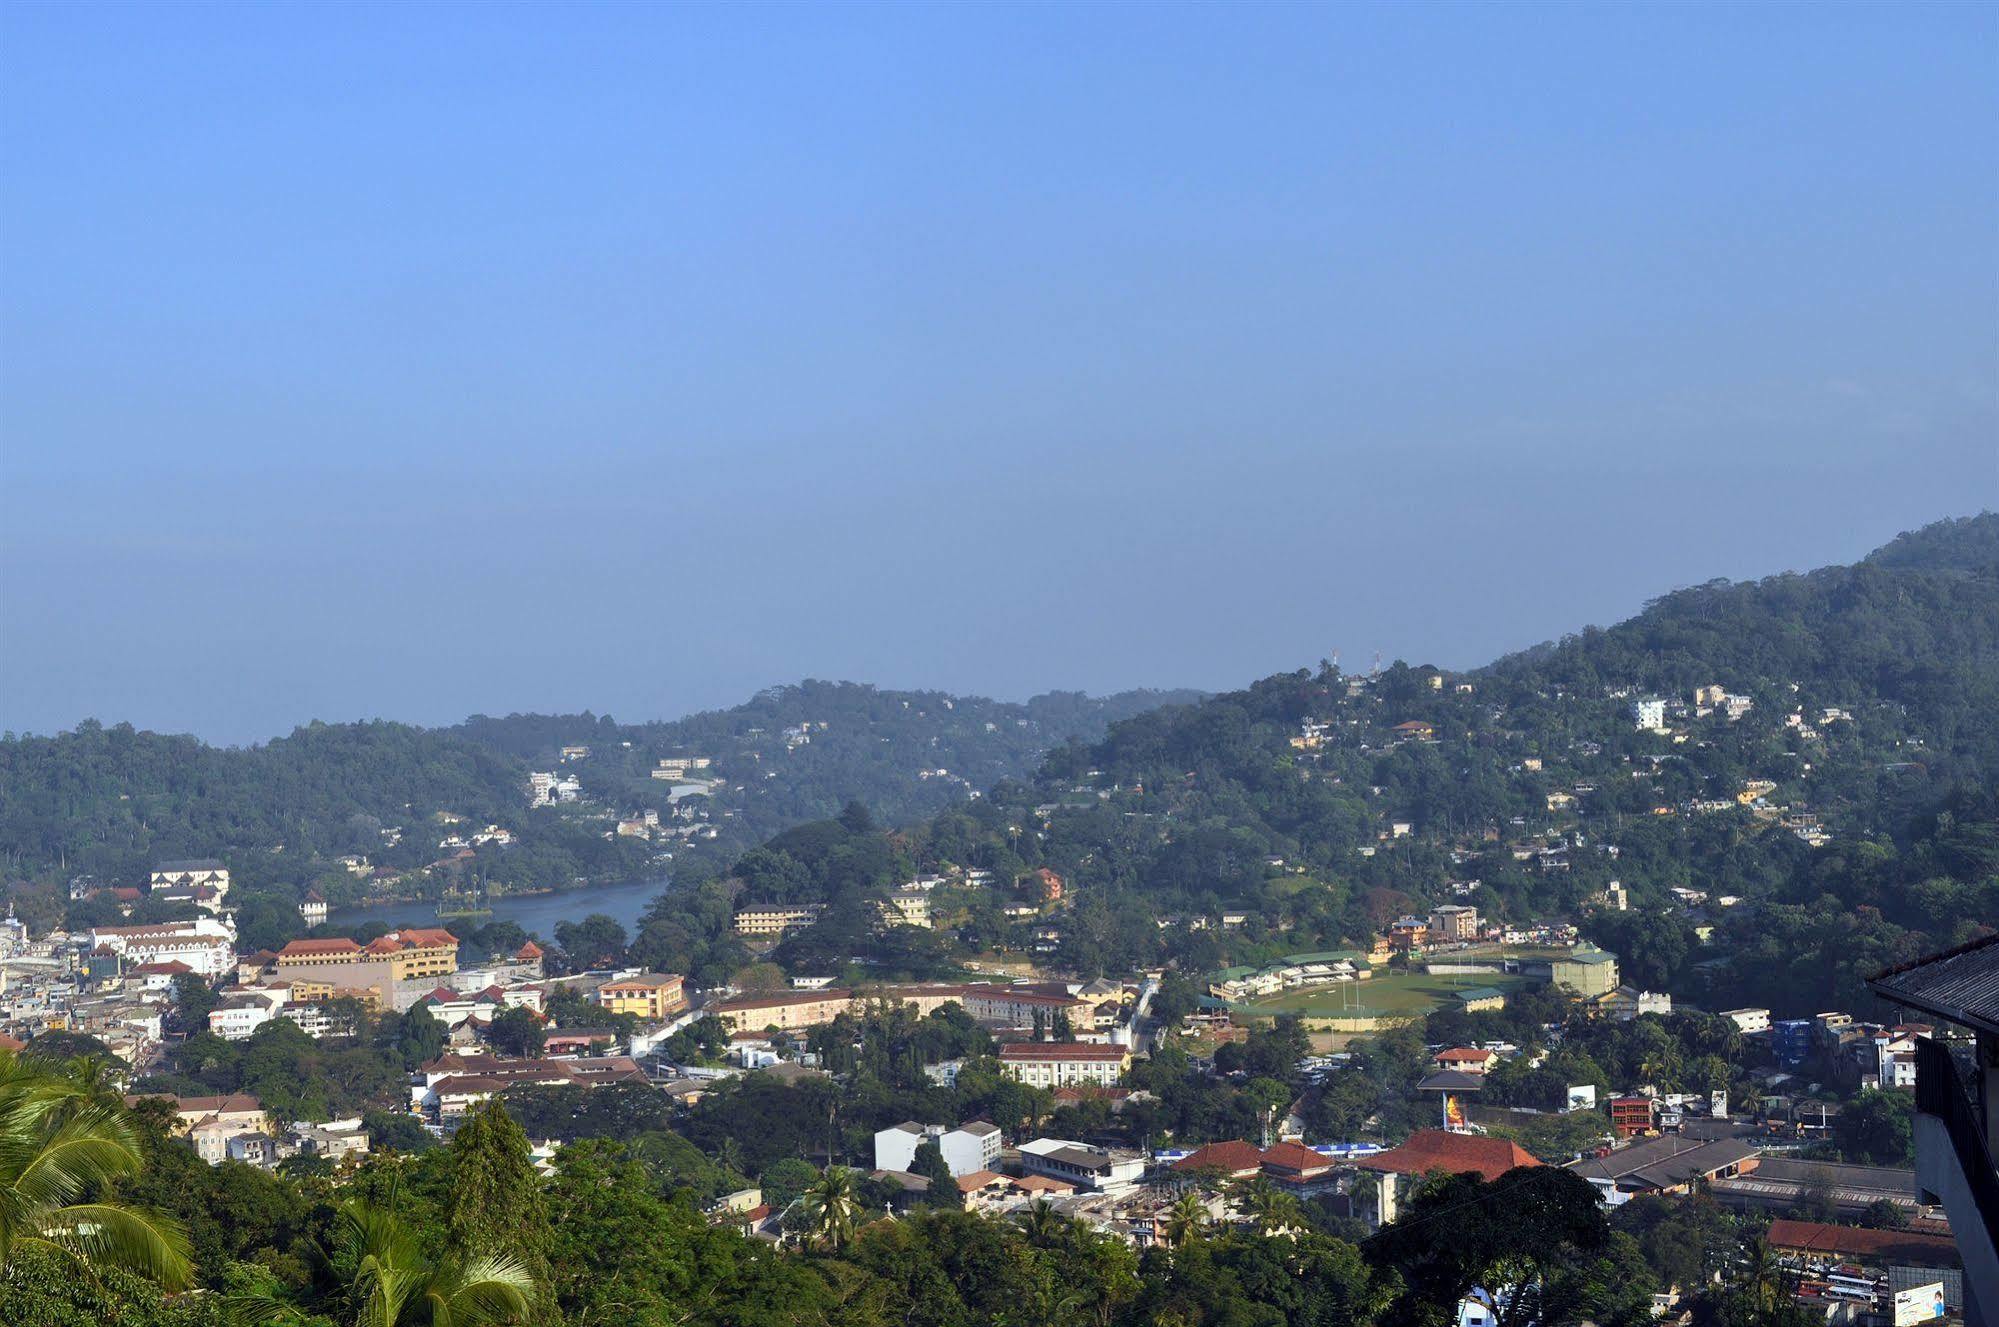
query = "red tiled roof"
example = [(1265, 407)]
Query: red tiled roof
[(1060, 1050), (529, 950), (426, 935), (1042, 1184), (1455, 1153), (1853, 1241), (8, 1043), (778, 999), (978, 1179), (1295, 1156), (318, 948), (651, 982), (1463, 1055), (1233, 1158)]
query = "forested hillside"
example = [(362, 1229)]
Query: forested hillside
[(107, 802), (1830, 781), (802, 752)]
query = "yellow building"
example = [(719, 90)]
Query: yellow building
[(411, 954), (786, 1011), (315, 991), (776, 920), (653, 996)]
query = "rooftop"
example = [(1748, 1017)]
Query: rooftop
[(1452, 1080), (1961, 984), (1664, 1163), (1454, 1153), (1061, 1050), (1899, 1246), (1229, 1157)]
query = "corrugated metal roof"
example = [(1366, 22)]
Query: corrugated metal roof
[(1961, 984)]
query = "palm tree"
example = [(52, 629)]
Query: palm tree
[(1185, 1220), (1042, 1224), (389, 1281), (831, 1204), (1271, 1208), (1760, 1279), (60, 1141), (729, 1154)]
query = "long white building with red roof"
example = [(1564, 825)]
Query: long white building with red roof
[(206, 944)]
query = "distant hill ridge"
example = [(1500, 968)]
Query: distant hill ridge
[(107, 801)]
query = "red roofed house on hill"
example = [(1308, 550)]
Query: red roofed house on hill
[(1429, 1150), (1236, 1160), (1296, 1166), (1292, 1165)]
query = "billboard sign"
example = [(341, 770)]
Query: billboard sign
[(1919, 1304)]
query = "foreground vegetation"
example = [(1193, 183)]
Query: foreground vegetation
[(473, 1234)]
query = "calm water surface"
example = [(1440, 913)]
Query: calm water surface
[(537, 914)]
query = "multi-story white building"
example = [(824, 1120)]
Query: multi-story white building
[(246, 1010), (1650, 714), (966, 1149), (205, 944), (546, 788), (1080, 1164), (1053, 1064), (199, 871)]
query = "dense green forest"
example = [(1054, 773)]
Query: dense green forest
[(108, 802)]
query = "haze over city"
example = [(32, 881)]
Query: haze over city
[(635, 360)]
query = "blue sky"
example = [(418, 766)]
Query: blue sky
[(415, 361)]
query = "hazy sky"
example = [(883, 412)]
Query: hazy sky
[(413, 362)]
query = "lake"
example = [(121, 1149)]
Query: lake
[(537, 914)]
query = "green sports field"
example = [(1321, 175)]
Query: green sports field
[(1397, 993)]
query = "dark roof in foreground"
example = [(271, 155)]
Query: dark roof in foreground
[(1961, 984)]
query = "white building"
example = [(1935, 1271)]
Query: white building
[(1650, 714), (546, 788), (245, 1010), (200, 871), (1079, 1164), (1053, 1064), (205, 944), (966, 1149)]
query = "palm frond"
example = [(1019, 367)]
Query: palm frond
[(122, 1237)]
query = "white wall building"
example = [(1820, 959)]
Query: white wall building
[(966, 1149), (205, 944), (1053, 1064)]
